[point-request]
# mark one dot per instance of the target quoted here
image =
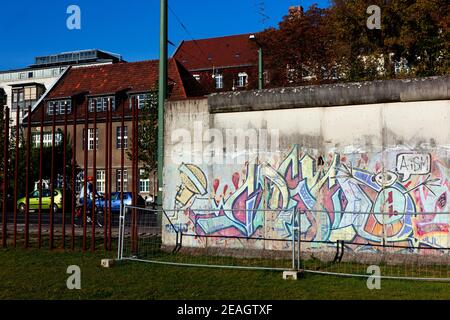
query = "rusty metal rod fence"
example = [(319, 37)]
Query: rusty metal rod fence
[(47, 158)]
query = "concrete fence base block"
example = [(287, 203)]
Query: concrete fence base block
[(107, 263), (292, 275)]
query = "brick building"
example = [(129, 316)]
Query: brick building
[(89, 91), (221, 64), (24, 87)]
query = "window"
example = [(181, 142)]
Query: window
[(219, 81), (47, 138), (51, 108), (242, 79), (17, 96), (101, 104), (101, 181), (65, 107), (30, 93), (119, 137), (119, 180), (143, 99), (90, 139), (196, 77), (59, 107), (144, 183)]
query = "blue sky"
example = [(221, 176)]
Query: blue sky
[(131, 28)]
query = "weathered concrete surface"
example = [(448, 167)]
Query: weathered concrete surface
[(357, 93), (375, 161)]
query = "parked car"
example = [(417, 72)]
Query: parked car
[(46, 200), (116, 199), (151, 202)]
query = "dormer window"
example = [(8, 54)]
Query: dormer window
[(102, 103), (219, 81), (143, 99), (58, 107)]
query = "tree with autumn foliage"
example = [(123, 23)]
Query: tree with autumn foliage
[(335, 44), (300, 50)]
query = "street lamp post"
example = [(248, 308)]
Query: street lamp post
[(260, 62), (162, 94)]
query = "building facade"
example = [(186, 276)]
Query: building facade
[(221, 64), (79, 104), (24, 87)]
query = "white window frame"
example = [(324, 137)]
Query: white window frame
[(119, 144), (91, 139), (119, 180), (144, 184), (101, 103), (219, 81), (242, 79), (142, 99), (101, 181), (47, 139), (59, 107)]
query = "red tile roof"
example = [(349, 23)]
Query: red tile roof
[(108, 79), (230, 51)]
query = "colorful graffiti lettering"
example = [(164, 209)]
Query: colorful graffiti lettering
[(363, 203)]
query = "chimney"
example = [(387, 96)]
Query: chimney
[(295, 11)]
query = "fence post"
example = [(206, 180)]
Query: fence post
[(107, 181), (64, 188), (5, 178), (41, 161), (85, 171), (16, 174), (298, 214), (27, 185), (121, 232), (293, 239), (52, 180), (74, 161), (110, 178), (94, 184)]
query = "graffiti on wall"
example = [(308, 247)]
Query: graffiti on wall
[(343, 197)]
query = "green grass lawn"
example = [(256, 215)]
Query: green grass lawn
[(41, 274)]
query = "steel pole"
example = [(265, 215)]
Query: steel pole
[(260, 69), (16, 174), (52, 180), (27, 172), (41, 162), (5, 178), (162, 94)]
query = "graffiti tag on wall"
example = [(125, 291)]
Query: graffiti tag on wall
[(352, 198)]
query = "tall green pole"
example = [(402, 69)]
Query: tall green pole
[(260, 69), (162, 95)]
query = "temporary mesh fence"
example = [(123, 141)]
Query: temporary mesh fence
[(151, 236)]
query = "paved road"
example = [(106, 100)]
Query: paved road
[(145, 219)]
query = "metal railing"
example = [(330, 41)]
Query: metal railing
[(41, 176), (152, 236)]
